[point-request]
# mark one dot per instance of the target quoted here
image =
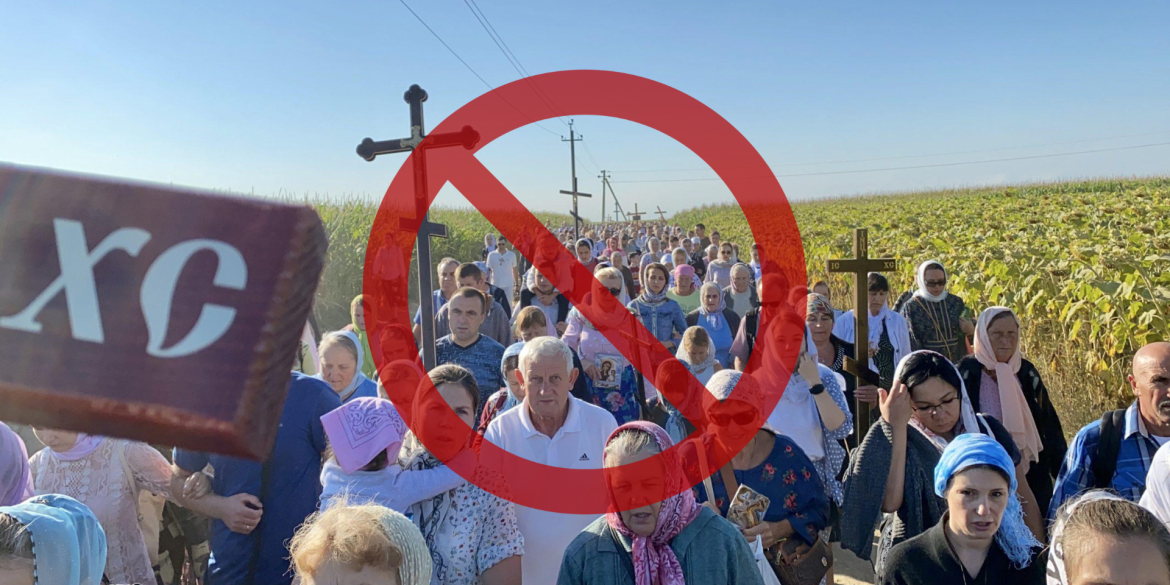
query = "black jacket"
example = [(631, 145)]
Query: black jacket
[(563, 305), (1041, 476), (928, 559)]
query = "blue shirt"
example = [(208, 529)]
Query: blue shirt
[(292, 492), (436, 302), (482, 357), (1134, 455)]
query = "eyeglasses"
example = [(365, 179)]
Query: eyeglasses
[(933, 408), (743, 417), (942, 282)]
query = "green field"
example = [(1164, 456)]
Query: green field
[(1085, 264)]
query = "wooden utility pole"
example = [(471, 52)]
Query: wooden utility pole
[(604, 182), (573, 140)]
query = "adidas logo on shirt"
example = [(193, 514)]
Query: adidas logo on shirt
[(584, 457)]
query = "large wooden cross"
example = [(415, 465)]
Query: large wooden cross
[(661, 214), (369, 150), (636, 215), (860, 266)]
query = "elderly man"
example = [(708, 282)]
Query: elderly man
[(447, 285), (466, 346), (1115, 452), (495, 323), (740, 296), (553, 428)]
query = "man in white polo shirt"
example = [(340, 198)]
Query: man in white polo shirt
[(553, 428)]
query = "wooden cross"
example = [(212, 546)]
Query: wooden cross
[(860, 266), (636, 215), (369, 150), (661, 214)]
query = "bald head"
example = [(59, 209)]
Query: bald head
[(1150, 381)]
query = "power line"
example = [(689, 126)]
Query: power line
[(514, 61), (950, 164), (936, 154), (469, 68), (590, 153)]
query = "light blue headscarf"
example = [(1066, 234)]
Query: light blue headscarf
[(69, 545), (971, 449), (513, 350), (359, 381)]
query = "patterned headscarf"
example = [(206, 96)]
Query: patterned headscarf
[(415, 568), (361, 429), (970, 450), (654, 561), (818, 303), (15, 481)]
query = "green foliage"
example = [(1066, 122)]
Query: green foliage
[(1084, 264)]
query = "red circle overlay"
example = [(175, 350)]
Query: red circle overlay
[(598, 93)]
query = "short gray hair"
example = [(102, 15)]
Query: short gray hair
[(546, 347), (627, 443), (741, 267)]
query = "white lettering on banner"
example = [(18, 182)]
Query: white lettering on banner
[(156, 295)]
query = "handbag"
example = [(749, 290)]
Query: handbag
[(793, 561)]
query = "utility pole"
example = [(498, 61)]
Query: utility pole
[(604, 181), (573, 140)]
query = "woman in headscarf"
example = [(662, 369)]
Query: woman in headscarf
[(621, 391), (358, 309), (719, 270), (505, 398), (16, 483), (51, 540), (107, 475), (981, 538), (585, 254), (889, 334), (663, 316), (831, 350), (1003, 384), (471, 534), (938, 320), (891, 472), (1101, 538), (359, 544), (679, 258), (770, 463), (812, 411), (684, 290), (720, 322), (365, 437), (341, 366), (618, 260), (651, 255), (671, 538)]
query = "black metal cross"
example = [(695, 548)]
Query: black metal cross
[(860, 266), (369, 150)]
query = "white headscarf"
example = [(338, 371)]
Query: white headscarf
[(796, 415), (966, 412), (358, 376), (922, 292), (1017, 417), (1057, 575)]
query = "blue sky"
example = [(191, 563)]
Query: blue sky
[(272, 98)]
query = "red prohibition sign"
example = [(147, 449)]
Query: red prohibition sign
[(599, 93)]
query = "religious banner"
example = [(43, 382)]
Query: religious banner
[(149, 312)]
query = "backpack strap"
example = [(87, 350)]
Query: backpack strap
[(1105, 458)]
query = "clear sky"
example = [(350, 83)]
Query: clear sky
[(273, 97)]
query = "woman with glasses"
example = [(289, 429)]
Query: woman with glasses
[(938, 320), (719, 270), (615, 385), (891, 474)]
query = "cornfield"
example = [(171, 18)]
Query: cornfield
[(1086, 265)]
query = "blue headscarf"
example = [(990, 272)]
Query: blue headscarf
[(971, 449), (69, 545), (513, 350)]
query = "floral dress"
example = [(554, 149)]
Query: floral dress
[(468, 530), (617, 388), (788, 479)]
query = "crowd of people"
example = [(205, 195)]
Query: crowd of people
[(964, 477)]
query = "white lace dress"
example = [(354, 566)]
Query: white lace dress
[(108, 481)]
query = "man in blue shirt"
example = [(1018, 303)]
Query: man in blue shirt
[(467, 347), (1146, 427), (250, 530)]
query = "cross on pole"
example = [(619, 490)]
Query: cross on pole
[(661, 214), (369, 150), (573, 140), (860, 266), (636, 215)]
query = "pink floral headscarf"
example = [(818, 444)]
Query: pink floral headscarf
[(654, 561), (15, 481)]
